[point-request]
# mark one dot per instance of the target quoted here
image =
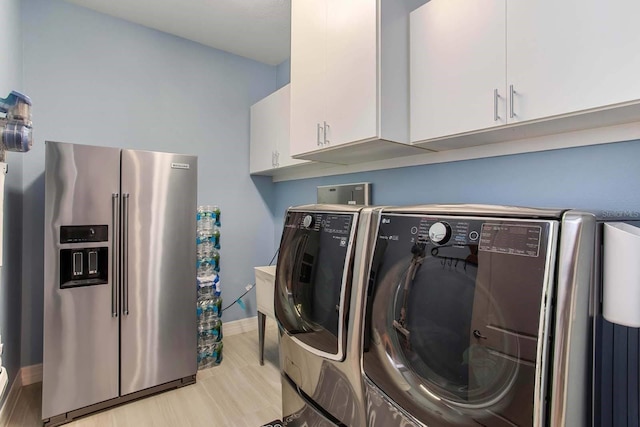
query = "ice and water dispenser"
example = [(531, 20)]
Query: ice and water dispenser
[(84, 264)]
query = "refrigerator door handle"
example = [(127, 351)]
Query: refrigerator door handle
[(115, 210), (125, 254)]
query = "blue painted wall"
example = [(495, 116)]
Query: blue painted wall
[(599, 177), (10, 272), (283, 73), (98, 80)]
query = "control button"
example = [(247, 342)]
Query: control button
[(414, 230), (473, 235), (307, 221), (440, 233)]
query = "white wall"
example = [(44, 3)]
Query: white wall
[(98, 80), (10, 288)]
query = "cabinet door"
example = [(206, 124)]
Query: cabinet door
[(264, 136), (308, 51), (457, 61), (281, 117), (351, 71), (572, 55)]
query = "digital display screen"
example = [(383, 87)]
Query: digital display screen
[(511, 239)]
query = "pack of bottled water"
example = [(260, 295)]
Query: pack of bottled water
[(209, 303)]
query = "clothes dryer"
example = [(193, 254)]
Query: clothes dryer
[(479, 315), (318, 305)]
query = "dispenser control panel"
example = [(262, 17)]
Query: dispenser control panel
[(84, 233)]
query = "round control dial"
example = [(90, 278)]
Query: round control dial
[(307, 221), (440, 233)]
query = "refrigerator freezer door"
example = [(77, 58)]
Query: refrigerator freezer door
[(80, 360), (158, 325)]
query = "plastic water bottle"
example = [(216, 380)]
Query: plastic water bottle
[(216, 354), (216, 302), (200, 214), (215, 260), (206, 289), (216, 329), (204, 268), (204, 245), (215, 237), (215, 215), (207, 356)]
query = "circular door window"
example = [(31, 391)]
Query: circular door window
[(441, 330)]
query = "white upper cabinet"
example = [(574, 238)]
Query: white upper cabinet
[(263, 136), (572, 55), (269, 139), (308, 52), (479, 68), (349, 80), (457, 67), (351, 71)]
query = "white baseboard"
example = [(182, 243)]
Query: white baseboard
[(12, 399), (31, 374), (240, 326)]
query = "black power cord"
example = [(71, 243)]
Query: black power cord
[(252, 286)]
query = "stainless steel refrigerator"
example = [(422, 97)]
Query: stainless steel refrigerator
[(119, 278)]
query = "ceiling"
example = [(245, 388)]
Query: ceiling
[(256, 29)]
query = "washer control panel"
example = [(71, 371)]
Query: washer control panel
[(488, 234)]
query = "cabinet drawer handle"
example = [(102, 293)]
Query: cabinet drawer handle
[(496, 117), (326, 131), (511, 93), (318, 135), (277, 159), (273, 159)]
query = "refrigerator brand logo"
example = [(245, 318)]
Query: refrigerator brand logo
[(180, 166)]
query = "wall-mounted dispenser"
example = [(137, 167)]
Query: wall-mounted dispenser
[(15, 135), (345, 194), (621, 274), (15, 127)]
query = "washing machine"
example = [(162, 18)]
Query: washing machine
[(479, 316), (318, 301)]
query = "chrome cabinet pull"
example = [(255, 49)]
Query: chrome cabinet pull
[(511, 93), (115, 209), (125, 254), (318, 135), (277, 153), (496, 117), (326, 130), (273, 159)]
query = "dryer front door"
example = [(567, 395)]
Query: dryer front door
[(455, 317), (313, 279)]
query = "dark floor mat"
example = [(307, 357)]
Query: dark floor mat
[(274, 423)]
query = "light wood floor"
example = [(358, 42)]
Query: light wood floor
[(239, 392)]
